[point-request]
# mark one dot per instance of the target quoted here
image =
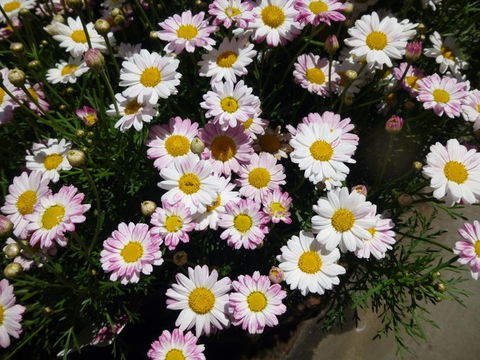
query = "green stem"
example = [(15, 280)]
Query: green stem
[(10, 23), (385, 160), (112, 54), (110, 90), (98, 207), (425, 240)]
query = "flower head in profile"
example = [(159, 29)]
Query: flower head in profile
[(87, 114), (446, 53), (11, 314), (468, 249), (49, 158), (176, 345), (471, 107)]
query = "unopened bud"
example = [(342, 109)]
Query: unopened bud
[(348, 8), (119, 20), (422, 37), (351, 75), (409, 105), (417, 165), (34, 64), (70, 90), (115, 12), (348, 100), (413, 51), (331, 45), (405, 200), (12, 270), (276, 275), (148, 207), (94, 59), (102, 26), (47, 310), (75, 4), (394, 125), (197, 146), (58, 18), (80, 133), (16, 77), (11, 250), (76, 158), (24, 12), (180, 258), (17, 48), (6, 226), (421, 28), (62, 107), (440, 287), (153, 35), (361, 189)]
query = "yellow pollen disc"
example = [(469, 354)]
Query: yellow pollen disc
[(2, 311), (273, 16), (187, 32), (33, 94), (232, 11), (259, 177), (242, 222), (310, 262), (257, 301), (478, 106), (456, 172), (249, 122), (201, 300), (151, 77), (318, 7), (215, 204), (91, 119), (132, 252), (2, 96), (377, 40), (441, 96), (315, 76), (321, 150), (269, 143), (229, 104), (343, 220), (79, 36), (132, 107), (189, 183), (477, 248), (223, 148), (372, 231), (53, 216), (447, 53), (412, 81), (276, 208), (52, 161), (226, 59), (10, 6), (26, 202), (173, 223), (175, 354), (68, 69), (177, 145)]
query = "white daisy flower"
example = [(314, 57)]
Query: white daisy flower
[(445, 52), (49, 158), (133, 113), (126, 50), (432, 3), (12, 8), (471, 107), (67, 71), (7, 105), (149, 76), (202, 299), (308, 266)]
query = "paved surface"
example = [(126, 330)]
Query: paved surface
[(455, 339)]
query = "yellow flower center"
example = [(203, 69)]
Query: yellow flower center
[(412, 81), (52, 161), (232, 11), (175, 354), (229, 104), (33, 94), (26, 202), (223, 148), (273, 16), (277, 208), (2, 311), (321, 150), (173, 223), (343, 220), (455, 171), (310, 262), (215, 204), (226, 59), (269, 143), (2, 96), (189, 183), (201, 300), (257, 301), (177, 145), (91, 119), (249, 122), (447, 53), (478, 107), (477, 248), (53, 216), (259, 177), (441, 96), (315, 76), (242, 222), (132, 107), (377, 40), (10, 6), (132, 252), (372, 231), (151, 77), (79, 36), (318, 7), (68, 69), (187, 32)]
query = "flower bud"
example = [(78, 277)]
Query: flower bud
[(361, 189), (47, 310), (409, 105), (70, 90), (417, 165), (63, 107), (331, 45), (148, 207), (413, 51), (405, 200), (153, 35), (58, 18), (16, 77), (394, 125), (422, 37), (351, 75), (17, 48), (80, 132), (24, 12), (75, 4), (102, 26), (34, 65), (76, 158), (348, 100), (115, 12), (12, 250), (440, 287), (119, 20), (197, 146), (276, 275), (348, 8), (12, 270), (94, 59), (180, 258), (421, 28), (6, 226), (88, 115)]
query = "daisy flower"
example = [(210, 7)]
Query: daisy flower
[(410, 75), (186, 32), (11, 314), (261, 176), (308, 266), (445, 52), (244, 224), (148, 76), (49, 158), (276, 206), (127, 50), (230, 103), (377, 40), (176, 346), (342, 218), (133, 113), (12, 8), (73, 38), (255, 302), (67, 72), (254, 126), (202, 299), (227, 12), (172, 223), (226, 150), (311, 72), (316, 12), (444, 95), (171, 141), (7, 105), (35, 92), (335, 122), (23, 194), (454, 172), (190, 181), (130, 251), (471, 107), (274, 142), (432, 3), (228, 61), (468, 249), (88, 115), (275, 22)]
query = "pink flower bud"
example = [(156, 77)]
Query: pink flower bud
[(413, 51), (331, 44), (87, 115), (276, 275), (94, 59), (394, 124), (361, 189)]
